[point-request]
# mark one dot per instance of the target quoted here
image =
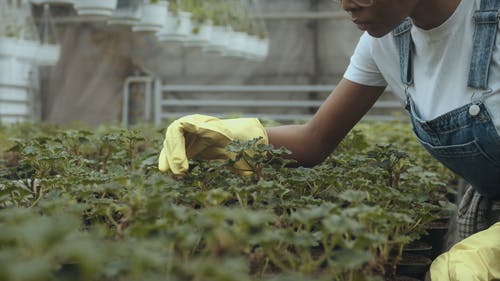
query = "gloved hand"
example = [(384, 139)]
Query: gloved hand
[(476, 258), (205, 137)]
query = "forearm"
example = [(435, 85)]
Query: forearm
[(312, 142), (305, 147)]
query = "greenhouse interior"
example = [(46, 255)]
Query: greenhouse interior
[(88, 89)]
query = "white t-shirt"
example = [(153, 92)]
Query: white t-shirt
[(440, 65)]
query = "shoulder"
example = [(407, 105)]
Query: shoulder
[(373, 58)]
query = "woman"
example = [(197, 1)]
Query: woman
[(440, 57)]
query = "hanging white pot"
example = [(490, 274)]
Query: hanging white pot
[(16, 65), (186, 27), (170, 30), (14, 72), (205, 33), (19, 49), (15, 85), (237, 44), (252, 50), (219, 40), (128, 12), (47, 55), (153, 17), (96, 8), (258, 48), (262, 50), (201, 38), (15, 113), (177, 30)]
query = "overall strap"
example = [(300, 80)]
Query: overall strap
[(486, 25), (402, 35)]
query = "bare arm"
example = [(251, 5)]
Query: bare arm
[(312, 142)]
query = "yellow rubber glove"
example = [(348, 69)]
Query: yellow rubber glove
[(205, 137), (476, 258)]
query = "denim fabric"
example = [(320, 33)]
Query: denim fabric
[(404, 43), (486, 22), (466, 143)]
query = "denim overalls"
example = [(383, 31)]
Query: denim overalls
[(465, 139)]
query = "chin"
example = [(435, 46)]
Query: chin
[(377, 33)]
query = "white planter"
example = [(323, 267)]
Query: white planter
[(20, 109), (186, 30), (153, 17), (14, 112), (17, 58), (47, 55), (14, 72), (19, 49), (177, 29), (205, 33), (128, 12), (237, 44), (15, 97), (219, 41), (258, 48), (263, 48), (201, 39), (169, 31), (95, 8), (13, 94)]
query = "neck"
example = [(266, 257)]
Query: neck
[(429, 14)]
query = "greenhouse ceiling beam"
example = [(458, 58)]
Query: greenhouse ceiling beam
[(305, 15), (248, 88), (263, 103), (263, 16), (218, 88), (281, 117)]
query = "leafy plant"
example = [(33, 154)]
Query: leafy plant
[(81, 204)]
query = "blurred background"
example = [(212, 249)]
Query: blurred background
[(136, 61)]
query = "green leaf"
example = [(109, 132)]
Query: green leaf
[(351, 258)]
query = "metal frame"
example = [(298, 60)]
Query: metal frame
[(147, 81), (30, 103), (301, 15), (161, 102)]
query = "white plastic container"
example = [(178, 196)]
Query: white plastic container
[(237, 44), (170, 32), (47, 55), (128, 12), (15, 73), (257, 48), (17, 59), (15, 85), (202, 38), (95, 8), (20, 49), (153, 17), (178, 30), (219, 41)]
